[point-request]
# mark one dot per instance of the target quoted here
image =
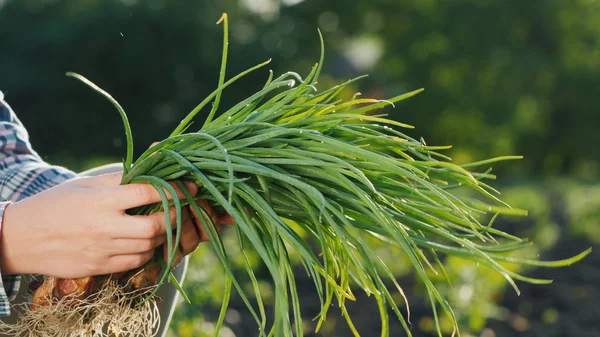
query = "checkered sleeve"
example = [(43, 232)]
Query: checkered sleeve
[(22, 174), (9, 285)]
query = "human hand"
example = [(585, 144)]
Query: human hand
[(80, 228), (192, 231)]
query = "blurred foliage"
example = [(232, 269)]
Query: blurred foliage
[(501, 77)]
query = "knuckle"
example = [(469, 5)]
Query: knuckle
[(136, 261), (96, 228), (152, 229), (90, 251), (93, 268), (175, 187), (173, 214), (143, 193), (146, 245), (96, 197)]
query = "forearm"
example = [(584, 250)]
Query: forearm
[(22, 174)]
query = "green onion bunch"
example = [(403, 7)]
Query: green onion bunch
[(301, 170)]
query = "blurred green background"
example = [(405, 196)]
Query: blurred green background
[(501, 77)]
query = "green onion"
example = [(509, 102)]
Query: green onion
[(343, 173)]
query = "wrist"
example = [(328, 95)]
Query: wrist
[(13, 252)]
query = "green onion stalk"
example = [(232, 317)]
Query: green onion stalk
[(298, 167)]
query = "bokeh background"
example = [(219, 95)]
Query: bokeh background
[(501, 77)]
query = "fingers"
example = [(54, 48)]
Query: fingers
[(190, 238), (226, 219), (188, 243), (223, 219), (114, 180), (121, 263), (178, 256), (139, 233), (154, 225), (191, 234), (133, 195), (191, 187), (145, 226), (136, 246), (201, 218)]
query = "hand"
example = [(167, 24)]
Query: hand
[(80, 229), (192, 232)]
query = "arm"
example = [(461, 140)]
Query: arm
[(77, 229), (22, 173)]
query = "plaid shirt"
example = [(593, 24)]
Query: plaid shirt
[(22, 174)]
